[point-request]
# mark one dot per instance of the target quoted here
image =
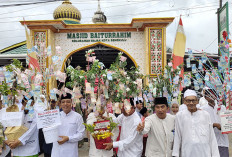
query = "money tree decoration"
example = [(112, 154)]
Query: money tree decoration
[(166, 84), (9, 86), (205, 74), (116, 83)]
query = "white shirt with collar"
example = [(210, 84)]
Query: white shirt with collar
[(29, 140), (71, 126), (160, 135), (131, 142), (184, 107)]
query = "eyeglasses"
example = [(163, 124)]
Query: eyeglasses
[(189, 101)]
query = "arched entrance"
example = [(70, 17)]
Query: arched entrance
[(103, 52)]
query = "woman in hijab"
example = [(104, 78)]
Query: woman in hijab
[(174, 107)]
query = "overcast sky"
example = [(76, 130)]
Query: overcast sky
[(199, 18)]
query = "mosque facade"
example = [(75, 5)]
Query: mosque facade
[(143, 40)]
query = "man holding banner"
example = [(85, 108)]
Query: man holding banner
[(71, 130), (211, 108)]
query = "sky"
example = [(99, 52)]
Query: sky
[(198, 16)]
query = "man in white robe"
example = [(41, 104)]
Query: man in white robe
[(211, 108), (93, 151), (71, 130), (194, 135), (160, 129), (131, 142)]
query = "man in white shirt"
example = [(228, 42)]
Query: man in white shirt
[(202, 100), (194, 135), (211, 108), (28, 143), (160, 129), (71, 130), (93, 151), (131, 142)]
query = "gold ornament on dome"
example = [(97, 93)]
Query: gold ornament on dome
[(66, 11)]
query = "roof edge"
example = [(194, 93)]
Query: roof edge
[(13, 46)]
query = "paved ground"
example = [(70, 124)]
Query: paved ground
[(84, 151), (230, 148)]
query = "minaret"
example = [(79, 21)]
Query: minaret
[(99, 16)]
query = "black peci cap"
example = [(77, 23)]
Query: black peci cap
[(143, 111), (161, 100)]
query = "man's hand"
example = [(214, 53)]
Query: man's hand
[(140, 127), (7, 142), (217, 125), (14, 144), (63, 140), (109, 146)]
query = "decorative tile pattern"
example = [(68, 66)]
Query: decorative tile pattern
[(40, 42), (156, 51)]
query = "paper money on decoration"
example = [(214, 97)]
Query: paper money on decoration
[(200, 65), (176, 79), (88, 88), (83, 104), (204, 58), (60, 76), (154, 92), (106, 93), (190, 52), (109, 76), (196, 86), (187, 81), (200, 82), (188, 63), (197, 75), (55, 59), (165, 73), (150, 87), (53, 95), (207, 76), (194, 69)]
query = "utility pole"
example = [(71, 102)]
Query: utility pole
[(220, 4)]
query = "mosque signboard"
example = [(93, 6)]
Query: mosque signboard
[(99, 37)]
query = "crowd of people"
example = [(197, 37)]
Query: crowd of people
[(192, 129)]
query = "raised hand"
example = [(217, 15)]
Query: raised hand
[(140, 127)]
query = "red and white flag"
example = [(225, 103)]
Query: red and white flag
[(179, 47)]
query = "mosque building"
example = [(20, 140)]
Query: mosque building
[(142, 41)]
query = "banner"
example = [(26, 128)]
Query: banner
[(48, 118), (226, 122)]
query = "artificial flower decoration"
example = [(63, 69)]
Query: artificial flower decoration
[(224, 34)]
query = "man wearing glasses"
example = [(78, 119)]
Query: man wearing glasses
[(194, 135)]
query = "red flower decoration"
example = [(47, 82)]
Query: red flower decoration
[(224, 34)]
